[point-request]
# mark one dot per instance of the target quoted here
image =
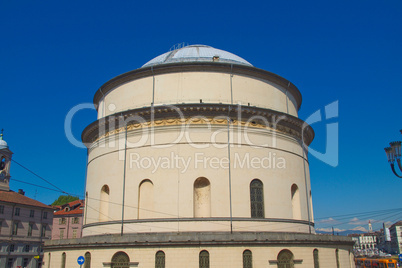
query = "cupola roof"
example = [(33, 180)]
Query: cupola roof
[(197, 53), (3, 143)]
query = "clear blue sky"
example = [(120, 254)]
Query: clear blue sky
[(56, 54)]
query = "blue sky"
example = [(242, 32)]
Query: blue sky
[(56, 54)]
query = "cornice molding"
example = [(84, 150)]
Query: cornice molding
[(213, 114), (195, 239), (235, 219)]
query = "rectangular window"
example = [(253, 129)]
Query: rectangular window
[(10, 263), (15, 228), (30, 227), (1, 209), (17, 212), (31, 213), (1, 225), (45, 215), (26, 248), (43, 231), (61, 233), (76, 220), (25, 264), (74, 233), (62, 221), (12, 248)]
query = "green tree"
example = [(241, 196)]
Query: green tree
[(63, 199)]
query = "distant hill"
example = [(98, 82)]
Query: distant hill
[(343, 233)]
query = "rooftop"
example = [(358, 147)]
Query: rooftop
[(197, 53), (399, 223), (72, 208), (14, 197)]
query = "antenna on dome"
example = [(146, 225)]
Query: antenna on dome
[(178, 46), (1, 134)]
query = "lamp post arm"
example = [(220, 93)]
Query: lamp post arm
[(393, 168), (398, 160)]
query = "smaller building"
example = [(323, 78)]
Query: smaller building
[(24, 226), (355, 238), (364, 241), (384, 239), (67, 220), (396, 237), (25, 223)]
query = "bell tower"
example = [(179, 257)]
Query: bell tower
[(5, 160)]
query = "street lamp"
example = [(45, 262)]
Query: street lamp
[(394, 153)]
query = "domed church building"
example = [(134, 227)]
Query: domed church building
[(199, 159)]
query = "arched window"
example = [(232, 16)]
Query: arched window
[(202, 198), (285, 259), (87, 263), (247, 259), (160, 259), (296, 209), (104, 203), (120, 260), (316, 261), (257, 199), (337, 258), (204, 259), (145, 199), (63, 260)]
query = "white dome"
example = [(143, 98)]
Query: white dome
[(197, 53), (3, 144)]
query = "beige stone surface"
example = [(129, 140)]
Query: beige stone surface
[(191, 87), (276, 160), (219, 256), (186, 173)]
